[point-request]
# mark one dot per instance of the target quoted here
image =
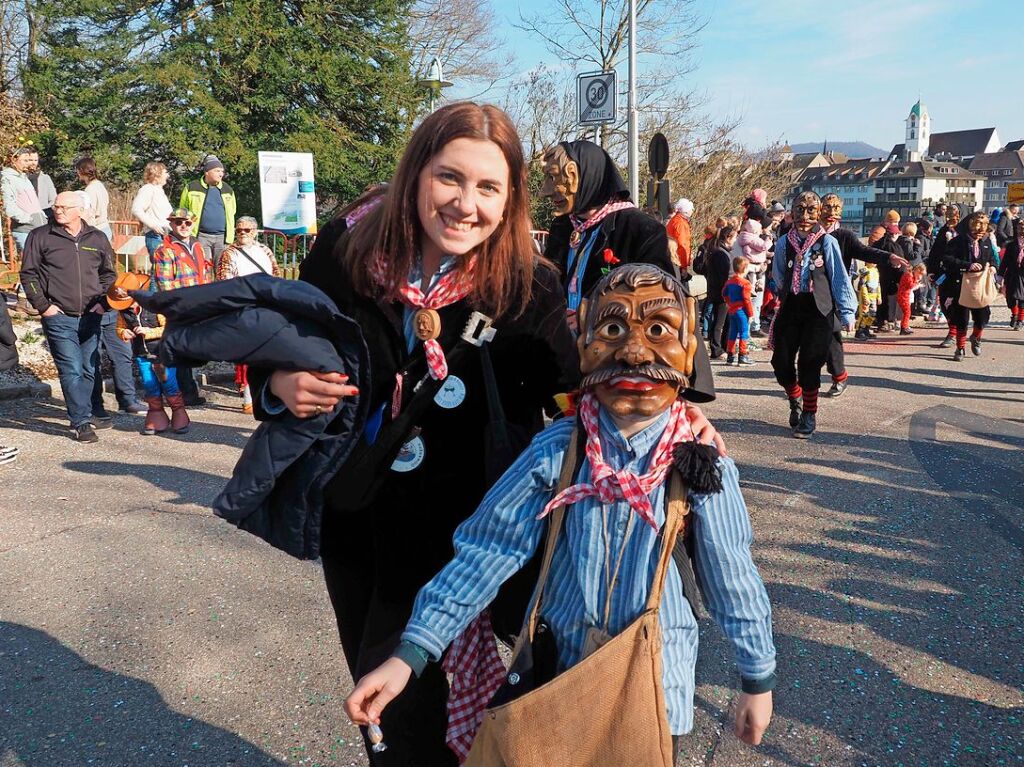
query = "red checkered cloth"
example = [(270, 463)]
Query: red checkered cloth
[(579, 226), (477, 673), (609, 485), (798, 257)]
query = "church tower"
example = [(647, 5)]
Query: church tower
[(919, 131)]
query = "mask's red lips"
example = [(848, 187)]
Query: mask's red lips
[(634, 383)]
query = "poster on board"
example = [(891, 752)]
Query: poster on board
[(287, 192)]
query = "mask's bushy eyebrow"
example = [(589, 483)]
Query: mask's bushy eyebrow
[(648, 308), (613, 309)]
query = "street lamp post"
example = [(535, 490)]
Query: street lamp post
[(435, 83), (634, 152)]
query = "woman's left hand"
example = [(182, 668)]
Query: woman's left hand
[(974, 268), (703, 430)]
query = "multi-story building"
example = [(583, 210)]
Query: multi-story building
[(911, 188), (999, 169), (853, 180)]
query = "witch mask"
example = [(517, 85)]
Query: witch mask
[(637, 343), (561, 180)]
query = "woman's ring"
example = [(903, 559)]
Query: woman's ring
[(318, 410)]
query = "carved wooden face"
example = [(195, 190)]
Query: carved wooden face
[(561, 180), (978, 226), (806, 212), (831, 209), (952, 216), (637, 348)]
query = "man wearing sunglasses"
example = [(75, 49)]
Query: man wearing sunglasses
[(243, 257), (181, 262)]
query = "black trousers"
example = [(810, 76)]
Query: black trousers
[(802, 338), (835, 363), (370, 623), (716, 336), (960, 316)]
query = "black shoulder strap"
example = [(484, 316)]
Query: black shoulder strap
[(684, 554), (252, 260)]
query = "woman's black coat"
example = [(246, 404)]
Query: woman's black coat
[(1012, 272), (956, 258), (414, 514)]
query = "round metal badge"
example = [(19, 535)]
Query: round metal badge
[(410, 456), (451, 394)]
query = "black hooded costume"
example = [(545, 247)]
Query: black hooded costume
[(631, 235)]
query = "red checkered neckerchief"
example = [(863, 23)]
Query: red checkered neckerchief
[(609, 485), (452, 287), (477, 673), (975, 248), (799, 250), (1020, 249), (579, 226)]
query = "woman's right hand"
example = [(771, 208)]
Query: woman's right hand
[(375, 690), (308, 394)]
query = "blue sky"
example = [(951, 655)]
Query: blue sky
[(790, 72)]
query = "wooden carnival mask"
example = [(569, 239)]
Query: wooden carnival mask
[(831, 208), (636, 343), (806, 212), (978, 225), (561, 180)]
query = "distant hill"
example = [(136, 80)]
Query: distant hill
[(853, 149)]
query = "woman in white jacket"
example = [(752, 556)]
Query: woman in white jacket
[(151, 206)]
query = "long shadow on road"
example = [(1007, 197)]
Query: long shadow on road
[(58, 710), (907, 636)]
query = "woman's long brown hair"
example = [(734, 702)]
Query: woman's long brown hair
[(391, 233)]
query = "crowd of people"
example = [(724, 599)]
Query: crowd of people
[(69, 277), (405, 382), (908, 269)]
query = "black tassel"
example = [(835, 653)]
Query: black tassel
[(697, 464)]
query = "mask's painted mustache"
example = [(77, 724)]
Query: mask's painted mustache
[(655, 372)]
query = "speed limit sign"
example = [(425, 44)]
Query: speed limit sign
[(595, 98)]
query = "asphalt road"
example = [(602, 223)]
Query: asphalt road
[(137, 629)]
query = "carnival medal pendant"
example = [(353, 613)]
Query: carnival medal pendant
[(575, 238), (427, 324)]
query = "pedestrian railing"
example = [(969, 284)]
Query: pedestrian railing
[(289, 251), (540, 238)]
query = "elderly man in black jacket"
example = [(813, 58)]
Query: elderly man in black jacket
[(1004, 227), (67, 269)]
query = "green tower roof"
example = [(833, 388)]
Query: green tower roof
[(916, 109)]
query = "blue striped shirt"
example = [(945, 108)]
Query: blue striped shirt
[(502, 535)]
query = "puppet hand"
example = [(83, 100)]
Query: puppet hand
[(375, 690), (307, 395), (703, 430), (753, 713)]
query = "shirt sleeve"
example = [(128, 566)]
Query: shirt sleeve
[(490, 546), (732, 587), (839, 279), (163, 268), (779, 262)]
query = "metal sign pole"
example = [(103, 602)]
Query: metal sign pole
[(634, 154)]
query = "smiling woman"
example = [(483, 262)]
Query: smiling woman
[(412, 262)]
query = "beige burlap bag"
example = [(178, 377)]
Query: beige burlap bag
[(978, 289), (606, 711)]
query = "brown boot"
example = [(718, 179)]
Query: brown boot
[(156, 418), (179, 418)]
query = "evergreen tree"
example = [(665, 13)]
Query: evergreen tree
[(172, 81)]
